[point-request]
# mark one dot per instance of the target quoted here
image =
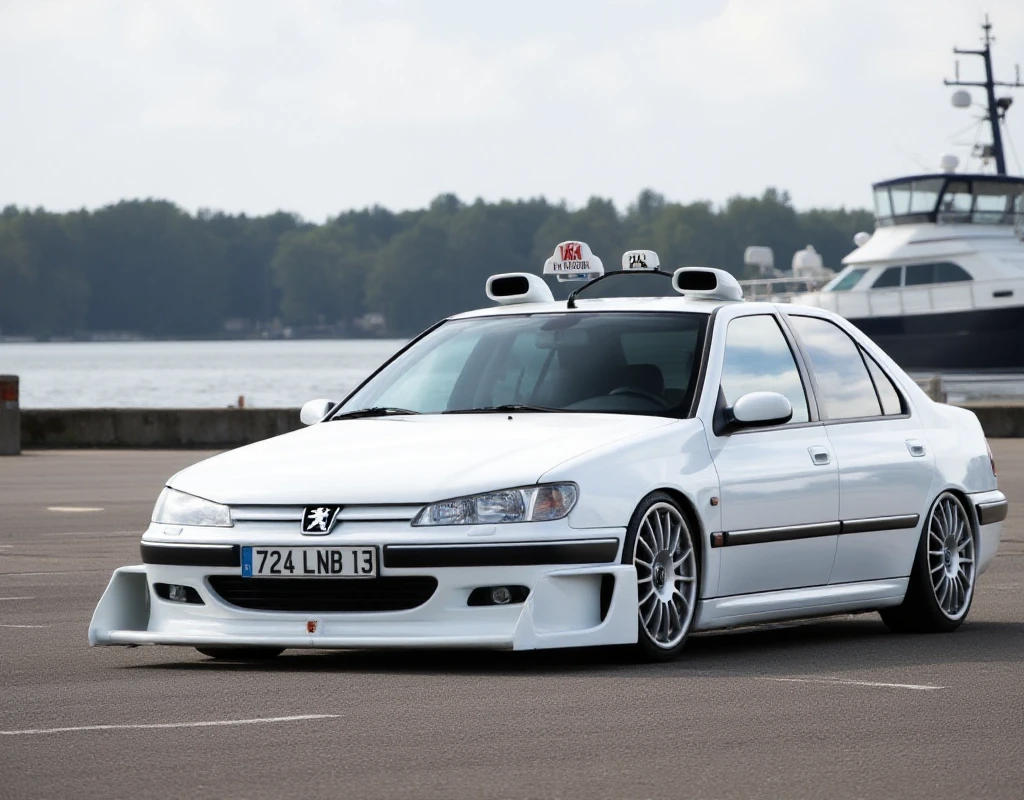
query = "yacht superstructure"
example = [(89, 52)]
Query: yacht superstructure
[(940, 283)]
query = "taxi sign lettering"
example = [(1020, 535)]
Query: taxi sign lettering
[(570, 251), (573, 261)]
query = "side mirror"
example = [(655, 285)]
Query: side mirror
[(314, 411), (760, 408)]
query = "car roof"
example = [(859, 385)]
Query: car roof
[(665, 304)]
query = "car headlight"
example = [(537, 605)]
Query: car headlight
[(177, 508), (531, 504)]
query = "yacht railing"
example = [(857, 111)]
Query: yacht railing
[(964, 388), (953, 217), (774, 288), (929, 298)]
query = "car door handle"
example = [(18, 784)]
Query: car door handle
[(820, 456), (916, 448)]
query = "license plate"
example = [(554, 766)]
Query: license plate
[(309, 562)]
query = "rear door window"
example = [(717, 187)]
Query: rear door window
[(844, 386), (887, 393)]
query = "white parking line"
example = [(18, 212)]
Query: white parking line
[(161, 725), (90, 533), (24, 626), (17, 598), (53, 572), (73, 509), (844, 682)]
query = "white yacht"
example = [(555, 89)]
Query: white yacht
[(939, 285)]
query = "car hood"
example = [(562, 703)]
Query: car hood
[(407, 459)]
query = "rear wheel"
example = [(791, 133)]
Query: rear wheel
[(241, 653), (942, 580), (662, 547)]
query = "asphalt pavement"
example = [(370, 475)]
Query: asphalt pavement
[(833, 708)]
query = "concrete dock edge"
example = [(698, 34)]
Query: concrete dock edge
[(159, 428), (183, 428)]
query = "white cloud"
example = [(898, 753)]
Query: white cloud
[(317, 105)]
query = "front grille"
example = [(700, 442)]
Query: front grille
[(339, 595)]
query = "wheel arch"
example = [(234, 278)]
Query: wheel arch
[(693, 518), (961, 495)]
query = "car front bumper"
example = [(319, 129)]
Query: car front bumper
[(579, 595)]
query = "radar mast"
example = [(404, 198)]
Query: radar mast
[(996, 107)]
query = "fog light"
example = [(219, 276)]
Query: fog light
[(501, 596), (177, 593), (498, 595)]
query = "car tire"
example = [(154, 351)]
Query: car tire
[(664, 545), (943, 577), (241, 653)]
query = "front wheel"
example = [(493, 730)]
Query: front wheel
[(942, 579), (662, 547)]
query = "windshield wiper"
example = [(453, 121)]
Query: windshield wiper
[(499, 409), (375, 411)]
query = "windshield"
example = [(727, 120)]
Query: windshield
[(610, 362)]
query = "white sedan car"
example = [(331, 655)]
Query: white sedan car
[(545, 474)]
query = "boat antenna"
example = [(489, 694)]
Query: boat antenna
[(996, 108)]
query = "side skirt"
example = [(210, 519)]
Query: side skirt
[(813, 601)]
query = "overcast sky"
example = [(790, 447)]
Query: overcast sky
[(318, 106)]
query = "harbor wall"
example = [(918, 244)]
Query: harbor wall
[(217, 428), (171, 428)]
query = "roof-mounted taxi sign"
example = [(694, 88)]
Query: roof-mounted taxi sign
[(573, 261), (639, 260)]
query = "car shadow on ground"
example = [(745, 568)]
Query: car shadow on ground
[(832, 645)]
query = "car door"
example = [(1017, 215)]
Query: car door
[(885, 465), (779, 486)]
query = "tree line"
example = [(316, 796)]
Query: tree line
[(150, 268)]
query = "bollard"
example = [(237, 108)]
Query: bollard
[(10, 416)]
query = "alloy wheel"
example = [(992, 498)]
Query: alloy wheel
[(666, 567), (951, 560)]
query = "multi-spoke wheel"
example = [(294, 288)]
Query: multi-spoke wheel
[(942, 581), (951, 556), (660, 544)]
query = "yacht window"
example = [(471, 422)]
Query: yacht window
[(848, 281), (883, 205), (956, 202), (943, 272), (995, 203), (887, 394), (845, 387), (924, 194), (948, 272), (900, 199), (890, 278)]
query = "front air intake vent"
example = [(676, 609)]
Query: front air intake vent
[(337, 595)]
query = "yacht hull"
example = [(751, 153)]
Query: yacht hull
[(982, 339)]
